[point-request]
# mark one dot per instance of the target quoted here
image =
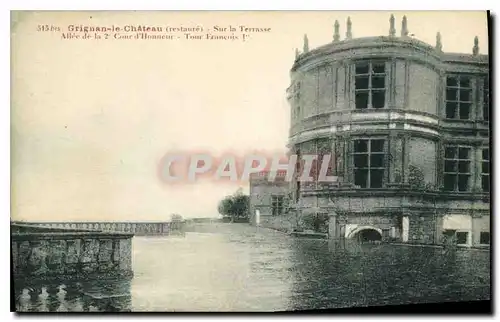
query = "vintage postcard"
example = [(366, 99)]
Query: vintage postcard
[(183, 161)]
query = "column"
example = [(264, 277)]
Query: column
[(476, 168), (341, 86), (350, 86), (339, 157), (395, 159), (15, 253), (439, 226), (406, 158), (348, 162), (474, 113), (405, 231), (391, 83), (332, 226)]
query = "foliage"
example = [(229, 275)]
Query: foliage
[(235, 206), (416, 177), (176, 217), (316, 222)]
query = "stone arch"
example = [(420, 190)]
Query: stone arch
[(366, 232)]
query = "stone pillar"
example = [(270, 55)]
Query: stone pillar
[(341, 81), (474, 113), (391, 83), (406, 158), (476, 168), (14, 256), (475, 238), (126, 254), (405, 231), (332, 226), (348, 160), (392, 232), (395, 159), (439, 226), (53, 299)]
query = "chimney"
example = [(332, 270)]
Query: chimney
[(348, 34), (392, 29), (475, 49), (439, 45), (404, 27), (336, 34)]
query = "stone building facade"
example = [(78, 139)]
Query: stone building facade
[(269, 202), (408, 126)]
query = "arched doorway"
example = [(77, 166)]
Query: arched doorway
[(368, 235)]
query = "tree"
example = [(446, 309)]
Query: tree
[(176, 217), (317, 222), (235, 207)]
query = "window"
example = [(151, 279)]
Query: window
[(457, 168), (369, 163), (370, 85), (458, 97), (485, 170), (486, 99), (462, 237), (277, 205), (484, 237)]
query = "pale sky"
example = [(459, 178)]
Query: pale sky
[(91, 119)]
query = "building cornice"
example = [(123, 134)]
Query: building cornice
[(388, 47)]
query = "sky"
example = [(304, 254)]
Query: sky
[(91, 119)]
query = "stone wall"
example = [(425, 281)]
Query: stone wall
[(422, 88), (38, 254), (424, 228), (480, 223), (261, 192), (423, 155), (285, 223)]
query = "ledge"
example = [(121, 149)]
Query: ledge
[(398, 191), (29, 232), (309, 235), (406, 47), (410, 45), (70, 235), (76, 277)]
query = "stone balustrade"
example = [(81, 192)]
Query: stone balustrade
[(48, 262), (87, 296), (151, 228)]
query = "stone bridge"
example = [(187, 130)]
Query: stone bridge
[(52, 266)]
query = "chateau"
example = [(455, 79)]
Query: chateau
[(408, 125)]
